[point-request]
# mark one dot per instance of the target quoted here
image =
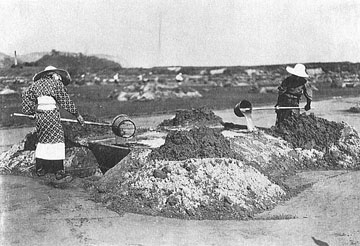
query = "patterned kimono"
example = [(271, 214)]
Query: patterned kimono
[(41, 99)]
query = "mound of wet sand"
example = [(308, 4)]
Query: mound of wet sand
[(199, 117), (202, 142), (335, 145), (308, 132), (355, 109)]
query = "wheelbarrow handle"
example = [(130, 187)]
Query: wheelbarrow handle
[(64, 120)]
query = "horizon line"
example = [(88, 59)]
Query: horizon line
[(202, 66)]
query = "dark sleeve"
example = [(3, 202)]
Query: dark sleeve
[(63, 99), (283, 86), (308, 92), (28, 103)]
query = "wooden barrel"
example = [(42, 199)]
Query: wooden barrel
[(123, 126)]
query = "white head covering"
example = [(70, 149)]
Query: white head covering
[(298, 70), (65, 76)]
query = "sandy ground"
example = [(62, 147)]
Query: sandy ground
[(35, 214), (32, 213)]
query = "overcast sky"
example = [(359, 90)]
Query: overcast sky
[(192, 32)]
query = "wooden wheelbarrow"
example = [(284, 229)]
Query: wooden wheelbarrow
[(244, 109)]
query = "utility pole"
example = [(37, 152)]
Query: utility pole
[(159, 39), (15, 59)]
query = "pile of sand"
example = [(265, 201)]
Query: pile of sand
[(223, 174), (333, 145), (17, 160), (202, 142), (194, 117), (309, 132), (209, 173), (207, 188), (203, 173), (355, 109)]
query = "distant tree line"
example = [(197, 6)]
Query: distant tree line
[(75, 63)]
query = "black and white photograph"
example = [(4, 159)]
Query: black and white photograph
[(179, 122)]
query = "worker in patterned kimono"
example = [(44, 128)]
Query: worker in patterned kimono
[(290, 92), (42, 99)]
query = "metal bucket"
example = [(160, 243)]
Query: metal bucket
[(241, 105)]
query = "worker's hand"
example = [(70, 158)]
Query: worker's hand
[(80, 119), (83, 142), (307, 107), (276, 107)]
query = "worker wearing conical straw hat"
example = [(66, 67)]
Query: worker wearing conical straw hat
[(291, 90), (42, 99)]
